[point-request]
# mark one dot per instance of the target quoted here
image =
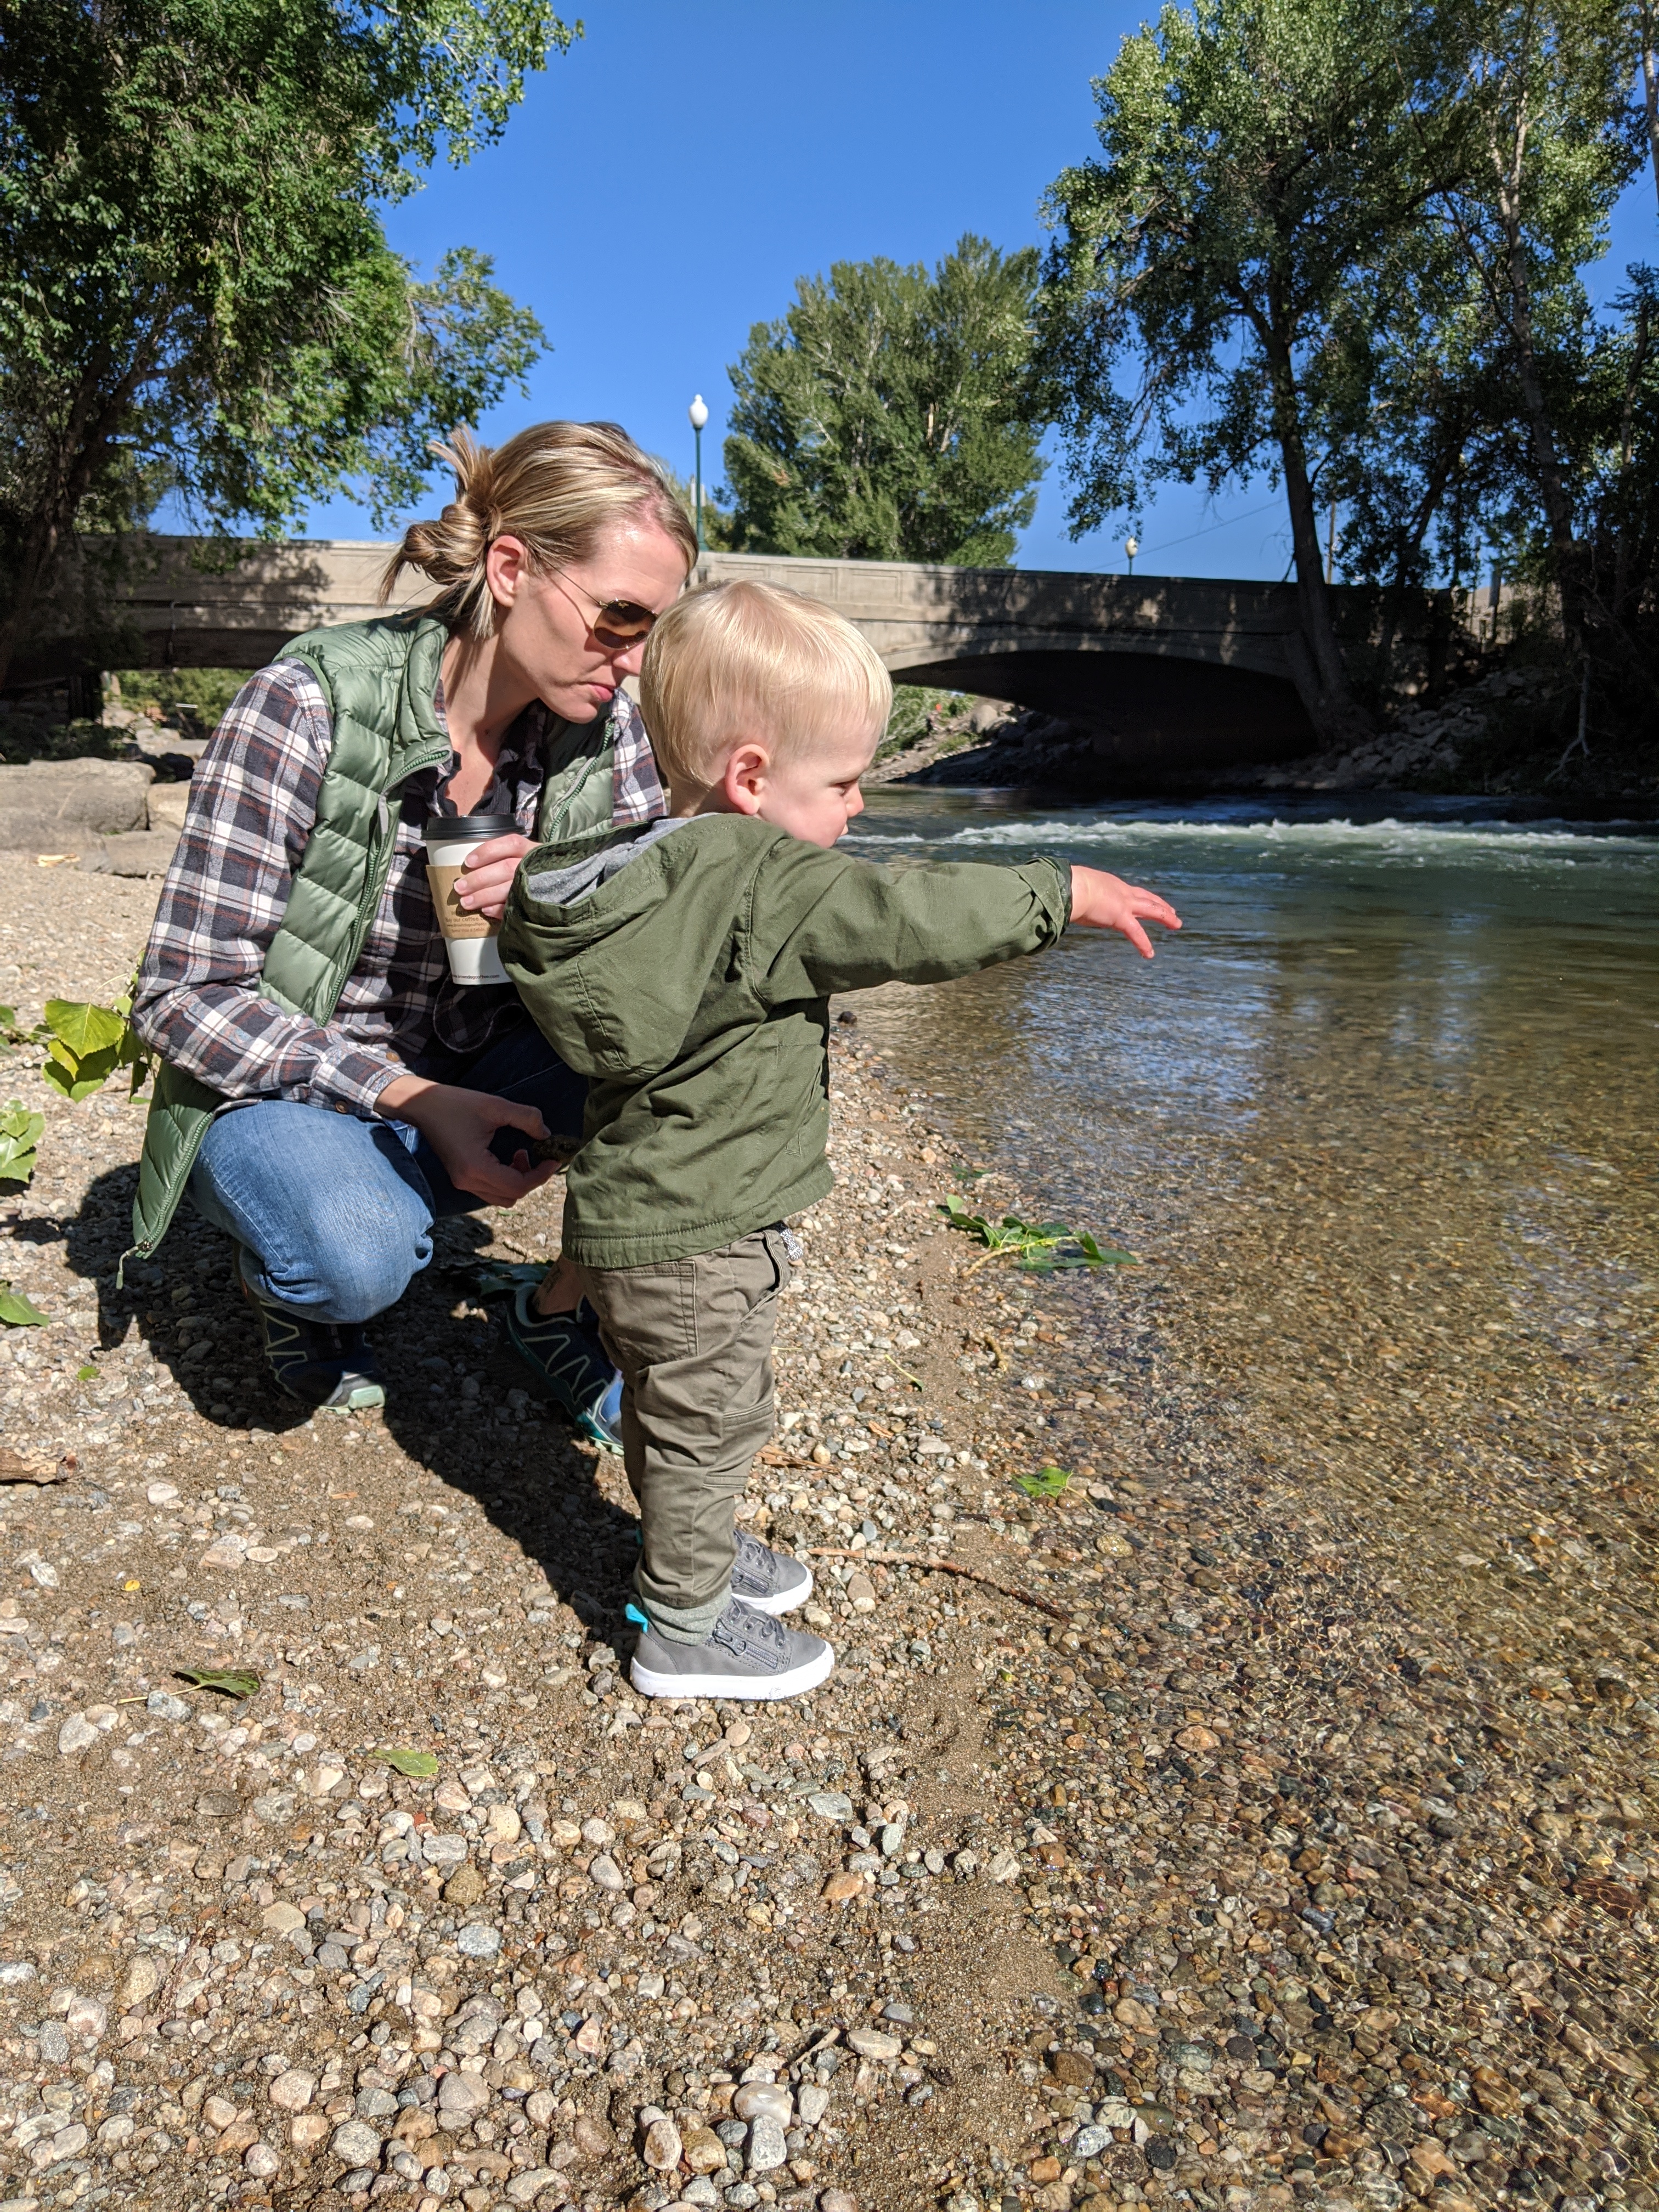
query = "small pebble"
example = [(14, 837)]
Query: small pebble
[(756, 2100), (767, 2149), (356, 2143), (662, 2146)]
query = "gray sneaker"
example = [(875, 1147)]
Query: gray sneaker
[(745, 1655), (772, 1582)]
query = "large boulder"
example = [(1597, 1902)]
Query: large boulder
[(58, 806), (140, 852)]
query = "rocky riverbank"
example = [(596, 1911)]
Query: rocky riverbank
[(1156, 1844), (1491, 735)]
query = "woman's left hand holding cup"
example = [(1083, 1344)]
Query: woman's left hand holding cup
[(488, 873)]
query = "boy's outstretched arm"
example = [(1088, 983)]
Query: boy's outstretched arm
[(1104, 902)]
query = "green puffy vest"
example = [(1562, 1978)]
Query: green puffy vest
[(379, 679)]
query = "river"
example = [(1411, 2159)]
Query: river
[(1382, 1124)]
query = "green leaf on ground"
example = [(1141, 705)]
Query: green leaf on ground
[(419, 1766), (20, 1132), (86, 1374), (16, 1311), (1047, 1482), (235, 1681), (1039, 1247)]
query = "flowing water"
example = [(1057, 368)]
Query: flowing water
[(1383, 1124)]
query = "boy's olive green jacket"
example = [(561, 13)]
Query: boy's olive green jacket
[(691, 985)]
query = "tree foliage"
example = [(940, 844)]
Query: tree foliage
[(1550, 138), (1343, 245), (196, 293), (1213, 282), (885, 417), (1504, 408)]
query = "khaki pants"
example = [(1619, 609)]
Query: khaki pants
[(692, 1339)]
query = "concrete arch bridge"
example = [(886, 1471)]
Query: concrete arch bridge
[(1166, 673)]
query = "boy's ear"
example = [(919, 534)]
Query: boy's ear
[(743, 784)]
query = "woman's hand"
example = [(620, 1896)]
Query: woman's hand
[(1104, 902), (458, 1125), (486, 875)]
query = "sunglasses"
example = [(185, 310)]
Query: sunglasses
[(615, 623)]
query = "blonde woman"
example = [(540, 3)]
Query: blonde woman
[(327, 1091)]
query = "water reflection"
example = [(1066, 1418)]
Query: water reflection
[(1382, 1121)]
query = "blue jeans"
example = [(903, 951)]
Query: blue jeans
[(335, 1213)]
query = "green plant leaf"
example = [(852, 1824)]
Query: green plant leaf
[(85, 1028), (419, 1766), (235, 1681), (1047, 1482), (20, 1133), (1104, 1255), (98, 1067), (86, 1374), (1040, 1246), (16, 1311)]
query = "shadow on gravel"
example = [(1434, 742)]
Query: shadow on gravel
[(191, 1313), (457, 1402), (504, 1446)]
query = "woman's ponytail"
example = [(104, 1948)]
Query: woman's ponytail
[(557, 486)]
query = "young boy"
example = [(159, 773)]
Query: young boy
[(686, 969)]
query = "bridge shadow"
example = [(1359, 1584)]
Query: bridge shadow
[(1146, 668), (1164, 675), (458, 1402), (1141, 711)]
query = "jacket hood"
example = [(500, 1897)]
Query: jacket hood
[(635, 924)]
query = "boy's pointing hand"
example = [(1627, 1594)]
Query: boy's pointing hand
[(1104, 902)]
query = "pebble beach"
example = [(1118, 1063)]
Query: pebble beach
[(1168, 1837)]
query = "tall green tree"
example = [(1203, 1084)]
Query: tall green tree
[(885, 416), (1550, 135), (1208, 300), (196, 292)]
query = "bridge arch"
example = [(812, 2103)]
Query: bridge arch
[(1163, 671), (1160, 670)]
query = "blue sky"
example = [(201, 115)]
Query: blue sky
[(666, 182)]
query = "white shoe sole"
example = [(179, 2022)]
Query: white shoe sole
[(741, 1688), (785, 1601)]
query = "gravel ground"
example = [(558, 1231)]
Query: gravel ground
[(1202, 1862)]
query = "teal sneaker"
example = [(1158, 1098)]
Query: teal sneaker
[(563, 1352), (319, 1363)]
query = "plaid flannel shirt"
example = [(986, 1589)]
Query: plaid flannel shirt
[(252, 805)]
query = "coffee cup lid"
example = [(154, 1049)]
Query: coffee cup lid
[(467, 829)]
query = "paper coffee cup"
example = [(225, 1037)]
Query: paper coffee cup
[(469, 940)]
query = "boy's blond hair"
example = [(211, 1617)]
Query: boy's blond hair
[(751, 661)]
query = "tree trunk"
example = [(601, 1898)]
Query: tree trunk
[(1651, 86), (85, 439), (1323, 681), (41, 539), (1408, 546)]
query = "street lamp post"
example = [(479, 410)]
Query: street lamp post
[(699, 414), (1132, 546)]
